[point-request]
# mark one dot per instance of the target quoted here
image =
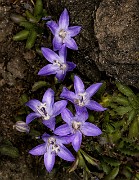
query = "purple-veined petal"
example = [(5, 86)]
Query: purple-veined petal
[(64, 139), (59, 106), (38, 150), (74, 30), (89, 129), (62, 130), (63, 54), (69, 95), (64, 19), (45, 137), (60, 75), (78, 85), (67, 116), (76, 143), (49, 160), (48, 69), (93, 105), (31, 117), (65, 154), (57, 43), (93, 89), (71, 66), (49, 54), (81, 114), (53, 26), (70, 43), (49, 123), (33, 104), (48, 98)]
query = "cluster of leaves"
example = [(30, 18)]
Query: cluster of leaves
[(33, 26)]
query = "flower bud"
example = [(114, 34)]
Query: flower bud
[(21, 126)]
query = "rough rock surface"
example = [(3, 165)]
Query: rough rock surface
[(117, 31)]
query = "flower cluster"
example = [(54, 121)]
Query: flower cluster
[(76, 125)]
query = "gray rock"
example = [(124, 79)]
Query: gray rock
[(117, 31)]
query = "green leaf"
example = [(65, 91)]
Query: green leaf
[(112, 174), (31, 39), (111, 161), (123, 110), (17, 18), (23, 99), (74, 165), (131, 115), (9, 151), (106, 168), (124, 89), (130, 152), (38, 85), (121, 100), (22, 35), (38, 9), (30, 17), (27, 25), (134, 129), (114, 137)]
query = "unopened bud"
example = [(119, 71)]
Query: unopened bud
[(21, 126)]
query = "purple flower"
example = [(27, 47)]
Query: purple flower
[(53, 146), (82, 98), (63, 33), (59, 64), (47, 109), (21, 126), (76, 126)]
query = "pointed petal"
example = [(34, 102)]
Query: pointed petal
[(59, 106), (69, 95), (49, 54), (93, 105), (64, 139), (48, 69), (49, 123), (38, 150), (70, 43), (71, 66), (63, 54), (57, 43), (78, 85), (76, 143), (74, 30), (48, 98), (33, 104), (52, 26), (90, 129), (93, 89), (64, 19), (31, 117), (65, 154), (67, 116), (49, 160), (60, 75), (82, 114), (45, 136), (62, 130)]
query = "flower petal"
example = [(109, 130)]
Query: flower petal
[(62, 130), (93, 89), (45, 136), (71, 66), (70, 43), (49, 123), (63, 54), (81, 114), (57, 43), (53, 26), (67, 116), (69, 95), (49, 54), (74, 30), (38, 150), (31, 117), (78, 85), (93, 105), (59, 106), (64, 139), (60, 75), (64, 19), (49, 160), (65, 154), (76, 143), (48, 98), (33, 104), (48, 69), (90, 129)]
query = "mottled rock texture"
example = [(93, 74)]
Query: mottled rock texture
[(117, 32)]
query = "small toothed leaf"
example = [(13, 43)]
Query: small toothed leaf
[(38, 85), (112, 174), (22, 35), (124, 89)]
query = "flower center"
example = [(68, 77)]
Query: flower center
[(76, 125), (62, 66), (55, 148), (51, 140), (42, 111), (81, 100), (62, 33)]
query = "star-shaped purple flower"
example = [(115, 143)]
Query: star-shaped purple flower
[(63, 33), (59, 64), (53, 146), (82, 98), (76, 126), (47, 109)]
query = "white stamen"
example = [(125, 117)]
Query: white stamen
[(62, 33), (62, 66), (76, 125), (42, 111)]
